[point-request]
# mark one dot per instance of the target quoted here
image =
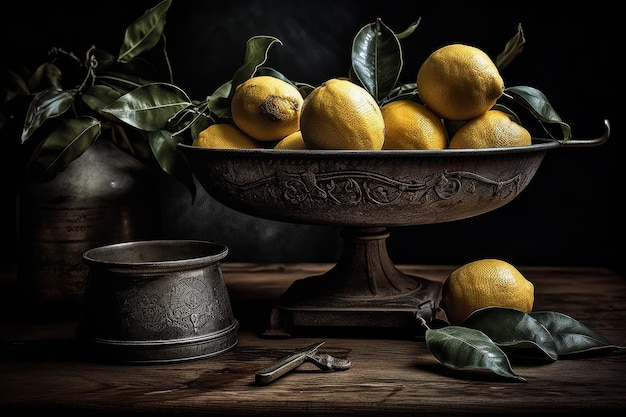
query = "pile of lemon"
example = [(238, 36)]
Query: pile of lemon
[(456, 82)]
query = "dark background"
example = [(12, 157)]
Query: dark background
[(571, 213)]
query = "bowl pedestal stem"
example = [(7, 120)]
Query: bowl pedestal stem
[(362, 292)]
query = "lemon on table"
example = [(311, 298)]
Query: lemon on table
[(225, 136), (339, 114), (493, 129), (459, 82), (410, 125), (266, 108), (485, 283)]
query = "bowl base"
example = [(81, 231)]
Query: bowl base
[(363, 293)]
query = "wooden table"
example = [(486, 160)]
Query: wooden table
[(40, 372)]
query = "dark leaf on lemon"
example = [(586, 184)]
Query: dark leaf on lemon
[(513, 48), (45, 105), (512, 328), (257, 49), (149, 107), (303, 88), (194, 119), (67, 142), (408, 31), (199, 124), (509, 111), (537, 103), (219, 101), (377, 59), (464, 348), (170, 159), (144, 33), (570, 335)]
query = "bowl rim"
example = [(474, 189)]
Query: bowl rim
[(539, 144)]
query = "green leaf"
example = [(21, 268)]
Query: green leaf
[(257, 49), (99, 96), (464, 348), (66, 143), (45, 105), (513, 48), (149, 107), (144, 32), (409, 30), (45, 76), (219, 101), (100, 60), (170, 159), (571, 336), (537, 103), (122, 81), (377, 59), (512, 328), (14, 86)]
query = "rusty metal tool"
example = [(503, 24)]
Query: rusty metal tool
[(307, 354)]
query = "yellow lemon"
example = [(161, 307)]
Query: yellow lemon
[(493, 129), (410, 125), (293, 141), (266, 108), (341, 115), (485, 283), (459, 82), (225, 136)]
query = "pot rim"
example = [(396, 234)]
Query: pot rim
[(183, 254)]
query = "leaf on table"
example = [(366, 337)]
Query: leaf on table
[(571, 336), (464, 348), (513, 328)]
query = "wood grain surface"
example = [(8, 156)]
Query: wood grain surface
[(41, 368)]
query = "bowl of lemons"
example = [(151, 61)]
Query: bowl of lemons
[(338, 156)]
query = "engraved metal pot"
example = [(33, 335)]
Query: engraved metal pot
[(365, 192), (156, 301)]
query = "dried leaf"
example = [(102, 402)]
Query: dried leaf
[(464, 348)]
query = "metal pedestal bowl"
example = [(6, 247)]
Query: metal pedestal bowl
[(364, 193)]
